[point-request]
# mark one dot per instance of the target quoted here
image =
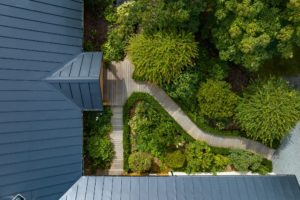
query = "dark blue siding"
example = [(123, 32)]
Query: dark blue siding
[(40, 130)]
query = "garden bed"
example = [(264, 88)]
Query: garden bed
[(97, 147), (151, 134)]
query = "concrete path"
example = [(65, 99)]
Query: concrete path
[(287, 158), (116, 137), (119, 85)]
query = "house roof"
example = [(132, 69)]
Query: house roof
[(40, 130), (185, 188), (79, 80)]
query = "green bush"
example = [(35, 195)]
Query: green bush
[(199, 157), (162, 57), (220, 162), (113, 48), (269, 110), (127, 111), (140, 162), (175, 160), (101, 151), (246, 161), (216, 100)]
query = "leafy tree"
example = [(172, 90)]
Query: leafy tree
[(245, 161), (175, 160), (250, 32), (199, 157), (140, 162), (101, 151), (216, 100), (269, 110), (162, 58)]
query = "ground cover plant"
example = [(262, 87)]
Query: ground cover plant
[(152, 136), (98, 149)]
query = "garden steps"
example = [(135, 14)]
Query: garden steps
[(116, 137), (119, 85)]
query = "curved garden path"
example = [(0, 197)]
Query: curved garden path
[(119, 85)]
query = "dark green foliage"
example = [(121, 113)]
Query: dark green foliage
[(246, 161), (151, 131), (184, 87), (216, 100), (162, 57), (97, 145), (269, 110), (175, 160), (140, 162), (97, 6), (101, 151)]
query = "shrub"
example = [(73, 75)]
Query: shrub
[(175, 160), (140, 162), (101, 151), (216, 100), (245, 161), (269, 110), (184, 87), (220, 162), (113, 48), (162, 57), (199, 157)]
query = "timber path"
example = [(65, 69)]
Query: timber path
[(119, 85)]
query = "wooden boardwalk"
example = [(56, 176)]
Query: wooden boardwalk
[(119, 85)]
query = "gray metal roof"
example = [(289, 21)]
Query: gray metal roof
[(185, 188), (40, 130), (79, 80)]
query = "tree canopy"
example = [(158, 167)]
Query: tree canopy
[(250, 32)]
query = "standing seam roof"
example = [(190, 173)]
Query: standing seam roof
[(40, 130)]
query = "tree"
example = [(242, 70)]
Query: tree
[(140, 162), (162, 57), (269, 110), (250, 32), (101, 151), (216, 100)]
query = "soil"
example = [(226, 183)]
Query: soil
[(238, 78), (95, 31)]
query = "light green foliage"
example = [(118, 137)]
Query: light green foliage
[(246, 161), (151, 131), (199, 157), (248, 32), (216, 100), (269, 111), (175, 160), (162, 58), (140, 162), (101, 151), (124, 19), (293, 16)]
